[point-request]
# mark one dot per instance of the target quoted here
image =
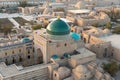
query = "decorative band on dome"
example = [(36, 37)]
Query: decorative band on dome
[(58, 33)]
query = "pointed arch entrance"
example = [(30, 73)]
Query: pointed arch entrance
[(40, 56)]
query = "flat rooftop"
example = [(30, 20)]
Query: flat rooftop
[(6, 15), (64, 19), (57, 4), (84, 53), (44, 15), (114, 39), (81, 11), (13, 70)]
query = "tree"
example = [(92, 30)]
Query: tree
[(23, 4), (111, 68), (37, 26), (95, 24), (14, 31), (108, 25), (112, 3), (2, 7), (59, 10), (116, 30)]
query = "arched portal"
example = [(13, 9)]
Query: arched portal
[(40, 56), (14, 60), (105, 52), (85, 40)]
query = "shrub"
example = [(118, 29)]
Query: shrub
[(37, 26), (23, 4), (108, 25), (116, 30), (95, 24), (112, 68), (59, 10), (14, 31)]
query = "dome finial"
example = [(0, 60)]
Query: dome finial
[(58, 17)]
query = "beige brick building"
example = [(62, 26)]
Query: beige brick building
[(85, 18), (59, 55), (17, 52)]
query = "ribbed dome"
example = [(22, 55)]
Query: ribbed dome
[(81, 69), (58, 27), (63, 71)]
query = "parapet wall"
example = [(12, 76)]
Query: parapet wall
[(36, 72)]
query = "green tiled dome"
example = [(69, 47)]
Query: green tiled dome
[(24, 40), (58, 27)]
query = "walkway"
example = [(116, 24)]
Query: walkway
[(16, 24)]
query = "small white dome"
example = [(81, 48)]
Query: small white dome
[(93, 13), (106, 31), (81, 69), (64, 72), (63, 69)]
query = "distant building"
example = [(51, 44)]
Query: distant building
[(93, 43), (87, 18), (31, 10), (114, 40), (55, 9), (102, 42), (15, 3)]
